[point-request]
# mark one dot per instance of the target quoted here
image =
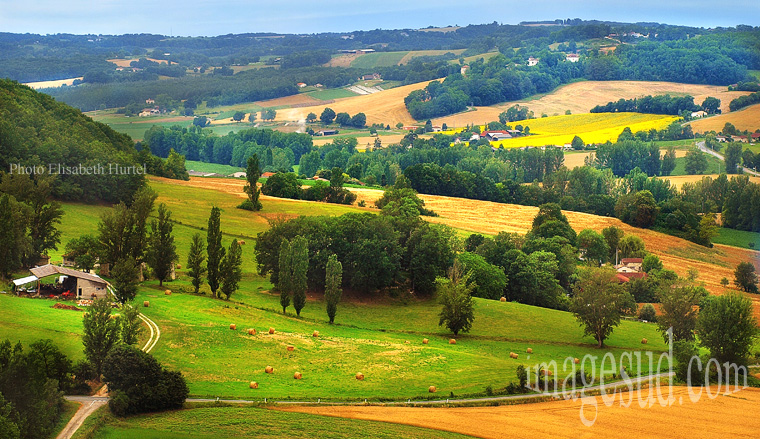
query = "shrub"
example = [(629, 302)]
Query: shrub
[(247, 205), (648, 313)]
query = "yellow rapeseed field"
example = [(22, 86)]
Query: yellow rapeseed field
[(590, 127)]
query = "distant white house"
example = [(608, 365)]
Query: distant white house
[(572, 57), (533, 61), (698, 114)]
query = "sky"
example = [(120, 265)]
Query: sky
[(212, 17)]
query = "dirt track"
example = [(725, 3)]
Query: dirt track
[(725, 416)]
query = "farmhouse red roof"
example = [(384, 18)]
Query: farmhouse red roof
[(631, 261)]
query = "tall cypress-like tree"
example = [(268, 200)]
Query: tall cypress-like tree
[(333, 281), (162, 251), (231, 271), (285, 275), (215, 250), (300, 254), (125, 275), (252, 174), (195, 261), (101, 333)]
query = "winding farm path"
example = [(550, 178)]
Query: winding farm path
[(703, 148), (91, 403)]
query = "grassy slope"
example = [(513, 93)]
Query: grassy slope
[(211, 422), (369, 338), (378, 59), (714, 166), (737, 238), (211, 167)]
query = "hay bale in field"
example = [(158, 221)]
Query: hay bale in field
[(577, 361), (253, 385), (297, 376), (513, 355), (146, 304), (424, 341), (251, 331), (452, 341), (269, 369), (503, 299), (168, 293), (547, 372), (431, 389), (290, 348), (529, 350), (644, 341), (178, 266), (241, 242), (359, 376), (315, 334), (271, 330), (233, 326)]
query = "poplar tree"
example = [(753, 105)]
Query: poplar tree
[(252, 174), (300, 256), (232, 273), (215, 250), (285, 275), (195, 259), (333, 281), (162, 251)]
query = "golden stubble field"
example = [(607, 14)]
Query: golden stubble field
[(723, 416), (491, 218), (744, 119)]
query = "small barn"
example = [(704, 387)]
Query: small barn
[(78, 283)]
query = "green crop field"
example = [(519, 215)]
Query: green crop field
[(714, 166), (738, 238), (333, 93), (378, 59), (211, 167), (211, 422)]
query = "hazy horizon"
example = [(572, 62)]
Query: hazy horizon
[(204, 18)]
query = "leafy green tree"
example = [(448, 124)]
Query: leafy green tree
[(232, 272), (577, 143), (491, 279), (13, 235), (430, 254), (311, 118), (359, 120), (8, 428), (333, 287), (696, 162), (729, 129), (680, 308), (327, 116), (458, 310), (195, 261), (123, 230), (310, 164), (613, 235), (252, 175), (631, 246), (598, 303), (238, 116), (594, 247), (651, 262), (711, 105), (84, 251), (733, 157), (668, 161), (637, 209), (252, 117), (648, 313), (130, 323), (285, 274), (139, 384), (728, 328), (343, 119), (101, 333), (162, 252), (745, 277), (283, 185), (215, 250), (125, 276), (299, 249)]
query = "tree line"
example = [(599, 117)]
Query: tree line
[(662, 104)]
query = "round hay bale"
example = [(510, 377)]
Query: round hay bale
[(529, 350), (241, 242), (452, 341), (251, 331), (178, 266), (547, 372), (146, 304), (359, 376), (315, 334), (291, 348), (253, 385), (271, 330), (577, 361), (297, 376), (269, 369), (503, 299), (168, 293), (233, 326), (644, 341), (431, 389), (424, 341), (513, 355)]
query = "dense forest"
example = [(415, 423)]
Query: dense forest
[(36, 131)]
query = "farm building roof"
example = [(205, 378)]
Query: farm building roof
[(631, 261), (50, 269), (24, 280)]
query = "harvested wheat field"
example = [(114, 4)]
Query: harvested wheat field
[(474, 116), (744, 119), (724, 416), (386, 107), (679, 180), (126, 62), (51, 84), (344, 60), (577, 159)]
